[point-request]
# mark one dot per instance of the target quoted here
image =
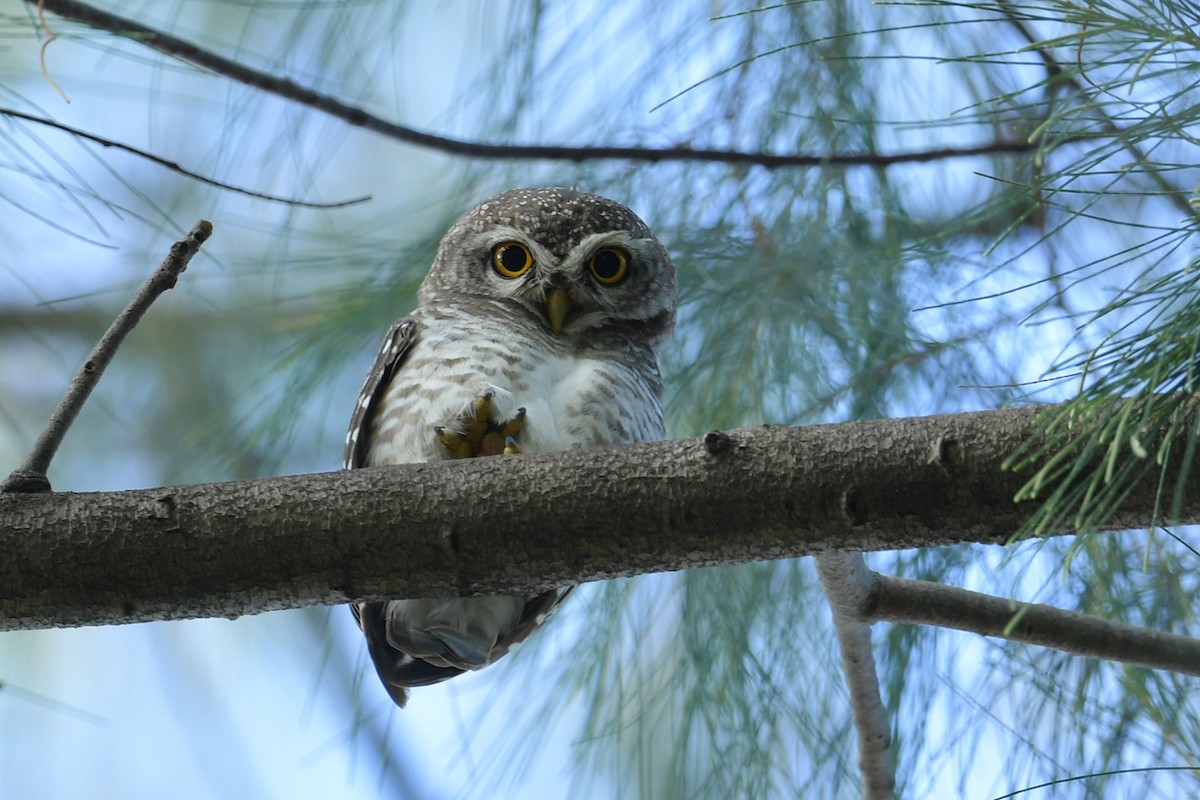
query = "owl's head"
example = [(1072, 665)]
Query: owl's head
[(575, 261)]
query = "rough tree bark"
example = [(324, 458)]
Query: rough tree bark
[(516, 523)]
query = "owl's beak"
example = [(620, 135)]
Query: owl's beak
[(558, 305)]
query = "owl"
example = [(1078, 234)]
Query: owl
[(537, 329)]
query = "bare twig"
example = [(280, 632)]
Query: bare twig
[(848, 583), (925, 603), (353, 115), (176, 167), (31, 476), (50, 37)]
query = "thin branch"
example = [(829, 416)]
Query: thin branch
[(847, 583), (31, 476), (50, 37), (176, 167), (925, 603), (353, 115)]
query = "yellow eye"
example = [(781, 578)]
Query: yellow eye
[(609, 266), (511, 259)]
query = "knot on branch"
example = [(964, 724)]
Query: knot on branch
[(25, 481), (717, 443)]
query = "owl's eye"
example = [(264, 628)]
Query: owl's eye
[(511, 259), (609, 266)]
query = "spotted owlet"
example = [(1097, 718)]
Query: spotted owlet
[(537, 329)]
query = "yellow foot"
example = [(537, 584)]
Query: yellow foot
[(481, 435)]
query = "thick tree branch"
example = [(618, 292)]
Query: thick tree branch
[(520, 523), (353, 115), (31, 476)]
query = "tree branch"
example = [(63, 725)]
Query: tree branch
[(925, 603), (870, 597), (31, 476), (175, 167), (522, 523), (353, 115), (847, 583)]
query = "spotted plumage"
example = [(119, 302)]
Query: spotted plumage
[(548, 300)]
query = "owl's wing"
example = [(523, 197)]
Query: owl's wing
[(396, 344)]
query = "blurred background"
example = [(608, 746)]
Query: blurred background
[(937, 284)]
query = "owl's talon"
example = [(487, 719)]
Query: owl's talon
[(480, 421), (511, 428), (481, 435), (456, 445)]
